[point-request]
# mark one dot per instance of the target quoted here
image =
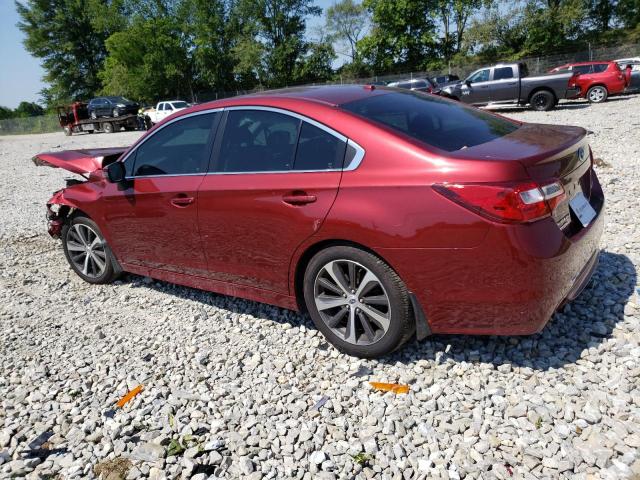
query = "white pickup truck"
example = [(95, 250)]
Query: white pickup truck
[(163, 110)]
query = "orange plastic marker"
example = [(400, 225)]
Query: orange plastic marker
[(390, 387), (124, 400)]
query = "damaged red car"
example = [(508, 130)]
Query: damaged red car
[(384, 214)]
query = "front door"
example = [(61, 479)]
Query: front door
[(272, 184), (153, 219), (475, 89)]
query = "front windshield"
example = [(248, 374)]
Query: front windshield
[(440, 123)]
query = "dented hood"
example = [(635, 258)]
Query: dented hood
[(79, 161)]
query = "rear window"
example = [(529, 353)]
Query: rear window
[(443, 124)]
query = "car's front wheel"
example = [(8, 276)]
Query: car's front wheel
[(93, 114), (115, 112), (357, 301), (597, 94), (87, 251)]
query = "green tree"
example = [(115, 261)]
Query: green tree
[(346, 22), (5, 113), (28, 109), (628, 12), (316, 65), (403, 36), (454, 18), (148, 61), (279, 26), (209, 37), (61, 33)]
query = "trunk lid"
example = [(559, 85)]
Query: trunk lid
[(80, 161), (548, 153)]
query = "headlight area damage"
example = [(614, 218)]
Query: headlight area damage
[(86, 163)]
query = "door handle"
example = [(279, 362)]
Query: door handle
[(299, 199), (182, 201)]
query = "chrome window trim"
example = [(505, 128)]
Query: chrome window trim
[(354, 164), (283, 111), (161, 127)]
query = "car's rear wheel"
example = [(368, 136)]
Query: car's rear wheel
[(87, 251), (597, 94), (542, 101), (357, 301)]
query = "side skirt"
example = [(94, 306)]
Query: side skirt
[(231, 289)]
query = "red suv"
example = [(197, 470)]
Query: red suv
[(597, 80), (382, 212)]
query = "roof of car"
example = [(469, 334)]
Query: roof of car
[(577, 64), (329, 95)]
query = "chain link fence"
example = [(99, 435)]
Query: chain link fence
[(537, 65), (25, 125)]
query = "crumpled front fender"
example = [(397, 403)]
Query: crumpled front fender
[(58, 210)]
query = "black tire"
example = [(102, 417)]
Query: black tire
[(542, 101), (67, 131), (597, 94), (401, 325), (107, 127), (112, 269)]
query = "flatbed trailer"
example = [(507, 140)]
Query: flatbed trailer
[(74, 118)]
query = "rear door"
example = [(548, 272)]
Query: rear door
[(273, 180), (504, 85)]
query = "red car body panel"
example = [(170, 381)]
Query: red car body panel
[(614, 79), (239, 236)]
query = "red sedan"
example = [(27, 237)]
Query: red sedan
[(597, 80), (383, 213)]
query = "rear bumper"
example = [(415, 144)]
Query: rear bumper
[(509, 285)]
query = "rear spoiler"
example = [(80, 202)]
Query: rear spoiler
[(80, 161)]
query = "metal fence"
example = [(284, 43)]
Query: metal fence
[(24, 125), (537, 65)]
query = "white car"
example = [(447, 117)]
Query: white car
[(164, 109), (634, 63)]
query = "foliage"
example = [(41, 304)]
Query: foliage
[(62, 35), (346, 23), (403, 35)]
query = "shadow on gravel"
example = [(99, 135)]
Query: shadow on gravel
[(585, 323)]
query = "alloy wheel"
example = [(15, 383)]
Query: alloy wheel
[(86, 250), (352, 302), (596, 95)]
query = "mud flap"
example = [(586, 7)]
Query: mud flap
[(422, 326)]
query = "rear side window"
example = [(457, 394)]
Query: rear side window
[(502, 72), (600, 67), (443, 124), (582, 69), (318, 149), (258, 141), (182, 147)]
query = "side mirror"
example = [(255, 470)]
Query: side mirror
[(115, 172), (467, 82)]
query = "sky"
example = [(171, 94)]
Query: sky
[(21, 74)]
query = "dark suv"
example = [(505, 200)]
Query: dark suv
[(111, 107)]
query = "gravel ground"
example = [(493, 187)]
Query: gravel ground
[(236, 389)]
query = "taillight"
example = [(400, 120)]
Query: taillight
[(506, 202)]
